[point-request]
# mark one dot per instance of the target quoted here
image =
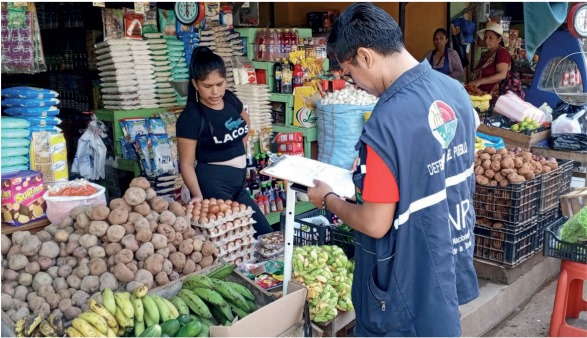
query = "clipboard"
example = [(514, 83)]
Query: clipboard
[(303, 171)]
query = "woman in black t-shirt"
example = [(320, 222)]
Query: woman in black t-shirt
[(213, 129)]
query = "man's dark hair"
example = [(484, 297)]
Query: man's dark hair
[(440, 30), (204, 61), (364, 25)]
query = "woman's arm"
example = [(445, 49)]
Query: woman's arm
[(502, 72), (455, 65), (186, 149), (245, 117)]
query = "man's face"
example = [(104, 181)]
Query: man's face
[(362, 75)]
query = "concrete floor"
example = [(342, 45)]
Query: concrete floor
[(532, 319)]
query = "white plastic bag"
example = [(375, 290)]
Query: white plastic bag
[(570, 124), (90, 158), (59, 207)]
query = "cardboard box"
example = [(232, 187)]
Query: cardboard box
[(22, 197), (271, 320), (514, 139)]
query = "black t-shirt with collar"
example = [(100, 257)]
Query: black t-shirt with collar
[(219, 133)]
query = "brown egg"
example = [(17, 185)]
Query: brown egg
[(213, 201), (243, 207), (228, 202), (237, 222), (203, 220), (212, 216), (219, 201), (228, 212), (223, 207), (235, 204), (214, 209), (220, 215), (223, 227)]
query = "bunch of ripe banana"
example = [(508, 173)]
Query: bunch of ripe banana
[(122, 312), (212, 298), (37, 325), (327, 273)]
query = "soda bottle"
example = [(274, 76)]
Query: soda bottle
[(298, 76), (294, 40), (278, 76), (261, 45), (287, 43), (273, 45), (287, 78), (282, 43)]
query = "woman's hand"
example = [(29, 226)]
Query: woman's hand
[(196, 198), (476, 83)]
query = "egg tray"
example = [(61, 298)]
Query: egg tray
[(247, 213), (246, 255), (223, 241), (235, 253), (248, 258), (208, 232), (248, 242)]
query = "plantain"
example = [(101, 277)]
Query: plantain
[(138, 308), (141, 291), (108, 301), (32, 323), (73, 332), (95, 320), (100, 310), (123, 302)]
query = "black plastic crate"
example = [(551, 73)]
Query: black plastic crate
[(344, 239), (503, 246), (516, 203), (544, 220), (555, 247), (554, 184), (312, 234)]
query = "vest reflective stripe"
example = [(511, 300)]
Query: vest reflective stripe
[(433, 199)]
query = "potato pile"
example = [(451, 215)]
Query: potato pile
[(502, 167), (140, 238), (228, 225)]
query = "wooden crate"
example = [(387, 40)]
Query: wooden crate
[(574, 201), (513, 139)]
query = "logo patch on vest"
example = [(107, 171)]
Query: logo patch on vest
[(443, 122)]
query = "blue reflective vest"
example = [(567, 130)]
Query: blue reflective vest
[(412, 281)]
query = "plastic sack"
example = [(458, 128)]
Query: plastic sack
[(339, 129), (15, 133), (572, 142), (513, 107), (15, 142), (565, 108), (59, 207), (29, 93), (571, 123), (29, 103), (14, 160), (18, 151), (90, 158), (489, 141), (32, 112), (43, 121), (13, 169), (14, 123)]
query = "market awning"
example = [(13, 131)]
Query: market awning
[(541, 19)]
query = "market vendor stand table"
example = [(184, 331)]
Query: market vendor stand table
[(577, 156), (33, 227)]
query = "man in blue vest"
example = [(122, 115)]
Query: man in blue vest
[(414, 218)]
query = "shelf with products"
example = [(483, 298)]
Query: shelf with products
[(310, 136)]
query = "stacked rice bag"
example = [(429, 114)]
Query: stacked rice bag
[(15, 144), (159, 55), (179, 65), (256, 97), (226, 43), (36, 105), (145, 72), (117, 71)]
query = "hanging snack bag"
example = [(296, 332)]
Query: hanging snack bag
[(265, 139), (132, 128), (167, 23), (133, 24), (143, 147), (49, 156), (162, 161), (156, 126), (113, 23), (150, 25)]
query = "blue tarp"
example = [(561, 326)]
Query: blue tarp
[(541, 19)]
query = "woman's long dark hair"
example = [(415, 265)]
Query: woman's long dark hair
[(203, 62)]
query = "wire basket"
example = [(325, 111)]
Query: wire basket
[(557, 248)]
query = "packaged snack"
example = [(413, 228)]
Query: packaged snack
[(22, 197), (150, 25), (133, 24), (272, 240), (284, 138), (156, 126), (113, 23), (162, 161), (49, 156), (143, 147), (167, 23), (131, 128), (265, 139)]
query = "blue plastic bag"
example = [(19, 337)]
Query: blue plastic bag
[(29, 103), (33, 112), (14, 123), (491, 141), (29, 93)]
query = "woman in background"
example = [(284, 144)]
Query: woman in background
[(442, 58)]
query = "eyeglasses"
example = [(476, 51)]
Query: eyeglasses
[(346, 74)]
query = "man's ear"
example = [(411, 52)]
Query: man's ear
[(366, 57)]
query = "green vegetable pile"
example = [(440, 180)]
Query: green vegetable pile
[(575, 229)]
